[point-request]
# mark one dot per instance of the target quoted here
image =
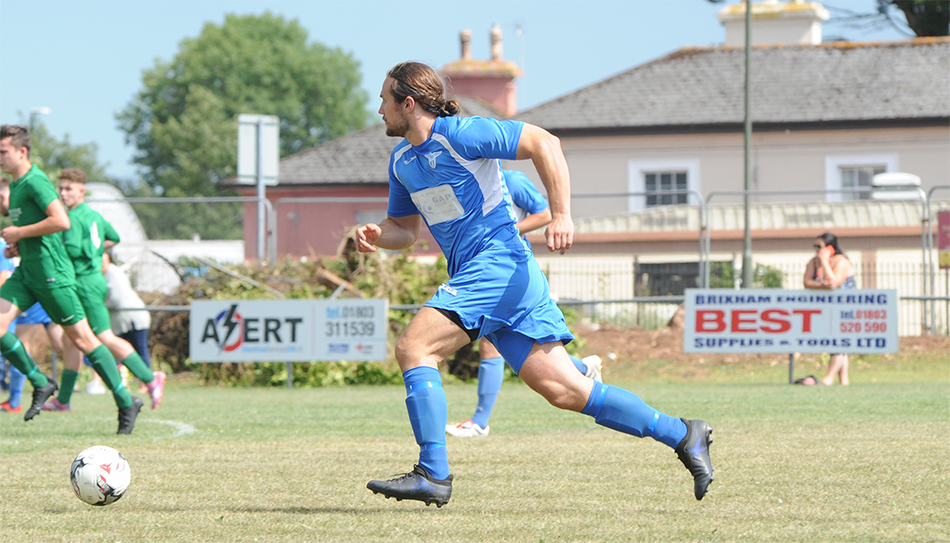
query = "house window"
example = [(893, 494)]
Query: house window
[(853, 172), (661, 185), (655, 181), (859, 177)]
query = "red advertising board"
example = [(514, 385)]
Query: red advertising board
[(790, 321)]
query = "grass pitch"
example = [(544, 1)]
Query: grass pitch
[(865, 463)]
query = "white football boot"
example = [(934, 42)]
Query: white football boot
[(594, 365), (466, 429)]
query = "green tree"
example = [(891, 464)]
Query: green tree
[(723, 275), (183, 122), (920, 18), (53, 156), (924, 17)]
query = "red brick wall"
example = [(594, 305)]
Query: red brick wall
[(305, 229)]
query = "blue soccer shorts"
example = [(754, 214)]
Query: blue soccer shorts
[(506, 298)]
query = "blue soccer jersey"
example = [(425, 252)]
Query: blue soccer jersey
[(454, 181), (525, 197), (6, 264)]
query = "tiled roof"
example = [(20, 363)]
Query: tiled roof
[(358, 158), (830, 82)]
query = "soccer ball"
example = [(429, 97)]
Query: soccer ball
[(100, 475)]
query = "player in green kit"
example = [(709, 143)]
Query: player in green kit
[(46, 275), (88, 237)]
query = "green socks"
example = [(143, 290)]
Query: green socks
[(12, 350), (104, 364), (67, 381), (138, 368)]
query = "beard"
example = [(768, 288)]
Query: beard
[(398, 128)]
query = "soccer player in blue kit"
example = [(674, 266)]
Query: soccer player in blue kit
[(530, 211), (446, 171)]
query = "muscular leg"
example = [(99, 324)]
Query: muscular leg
[(429, 339), (491, 375), (548, 370)]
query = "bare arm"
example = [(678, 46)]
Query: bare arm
[(534, 221), (544, 150), (809, 279), (391, 233), (56, 220), (835, 274)]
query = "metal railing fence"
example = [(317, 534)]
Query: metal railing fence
[(926, 233), (924, 294)]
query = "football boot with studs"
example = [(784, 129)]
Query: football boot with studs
[(415, 485)]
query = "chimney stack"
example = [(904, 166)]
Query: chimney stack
[(490, 80), (775, 22), (466, 36), (496, 47)]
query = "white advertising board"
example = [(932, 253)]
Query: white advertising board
[(790, 321), (288, 330), (258, 149)]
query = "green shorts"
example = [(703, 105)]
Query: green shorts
[(61, 303), (92, 291)]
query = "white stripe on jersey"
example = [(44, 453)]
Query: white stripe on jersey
[(397, 154), (486, 171), (520, 214)]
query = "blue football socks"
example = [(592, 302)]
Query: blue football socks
[(579, 364), (491, 374), (428, 413), (625, 412), (16, 386)]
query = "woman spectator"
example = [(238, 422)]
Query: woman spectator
[(830, 269)]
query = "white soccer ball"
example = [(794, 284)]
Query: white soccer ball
[(100, 475)]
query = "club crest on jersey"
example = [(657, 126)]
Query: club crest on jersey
[(431, 157)]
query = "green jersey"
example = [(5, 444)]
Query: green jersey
[(43, 259), (85, 239)]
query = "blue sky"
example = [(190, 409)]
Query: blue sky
[(84, 59)]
